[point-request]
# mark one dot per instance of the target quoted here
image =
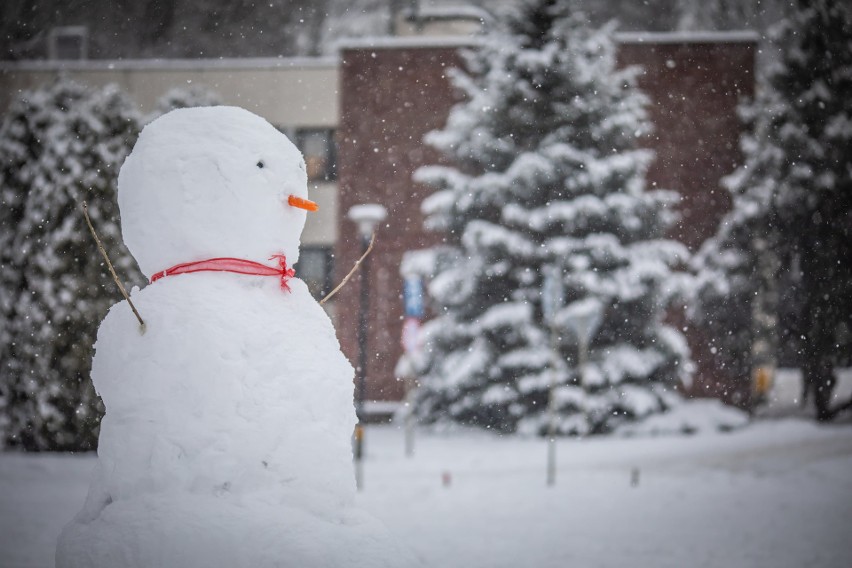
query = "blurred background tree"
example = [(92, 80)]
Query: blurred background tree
[(793, 201), (59, 146), (547, 171), (184, 97)]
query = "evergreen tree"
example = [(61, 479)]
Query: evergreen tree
[(728, 14), (793, 201), (59, 145), (547, 172), (723, 307)]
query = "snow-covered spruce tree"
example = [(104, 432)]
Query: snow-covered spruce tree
[(547, 171), (793, 200), (59, 145)]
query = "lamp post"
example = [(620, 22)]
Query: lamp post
[(366, 217), (552, 299)]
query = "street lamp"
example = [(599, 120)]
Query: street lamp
[(366, 217)]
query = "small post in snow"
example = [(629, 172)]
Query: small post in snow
[(412, 299), (552, 297)]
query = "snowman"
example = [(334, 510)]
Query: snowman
[(226, 439)]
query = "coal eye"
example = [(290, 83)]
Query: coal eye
[(260, 164)]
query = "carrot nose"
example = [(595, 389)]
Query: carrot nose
[(302, 203)]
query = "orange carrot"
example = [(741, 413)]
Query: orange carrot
[(302, 203)]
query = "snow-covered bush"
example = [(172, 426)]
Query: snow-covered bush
[(59, 145), (184, 97), (547, 172)]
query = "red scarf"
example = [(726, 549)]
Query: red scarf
[(237, 265)]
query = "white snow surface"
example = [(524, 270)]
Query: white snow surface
[(226, 439), (776, 493)]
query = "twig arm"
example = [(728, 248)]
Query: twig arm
[(101, 248), (351, 272)]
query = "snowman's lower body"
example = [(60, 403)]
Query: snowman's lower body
[(195, 531)]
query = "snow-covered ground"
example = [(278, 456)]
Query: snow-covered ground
[(784, 398), (777, 493)]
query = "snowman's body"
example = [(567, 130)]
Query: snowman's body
[(226, 440)]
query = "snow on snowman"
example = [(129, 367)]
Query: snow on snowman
[(226, 439)]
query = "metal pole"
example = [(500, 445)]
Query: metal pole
[(408, 426), (551, 411), (409, 417), (764, 319), (582, 355), (361, 390)]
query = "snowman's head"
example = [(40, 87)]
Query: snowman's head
[(211, 182)]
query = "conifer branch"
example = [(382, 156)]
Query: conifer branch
[(101, 248)]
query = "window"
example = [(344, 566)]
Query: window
[(320, 153), (316, 269), (68, 42)]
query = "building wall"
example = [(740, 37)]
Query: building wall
[(291, 92), (391, 95), (694, 86), (394, 93)]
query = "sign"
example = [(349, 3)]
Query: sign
[(584, 317), (411, 335), (552, 292), (412, 296)]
